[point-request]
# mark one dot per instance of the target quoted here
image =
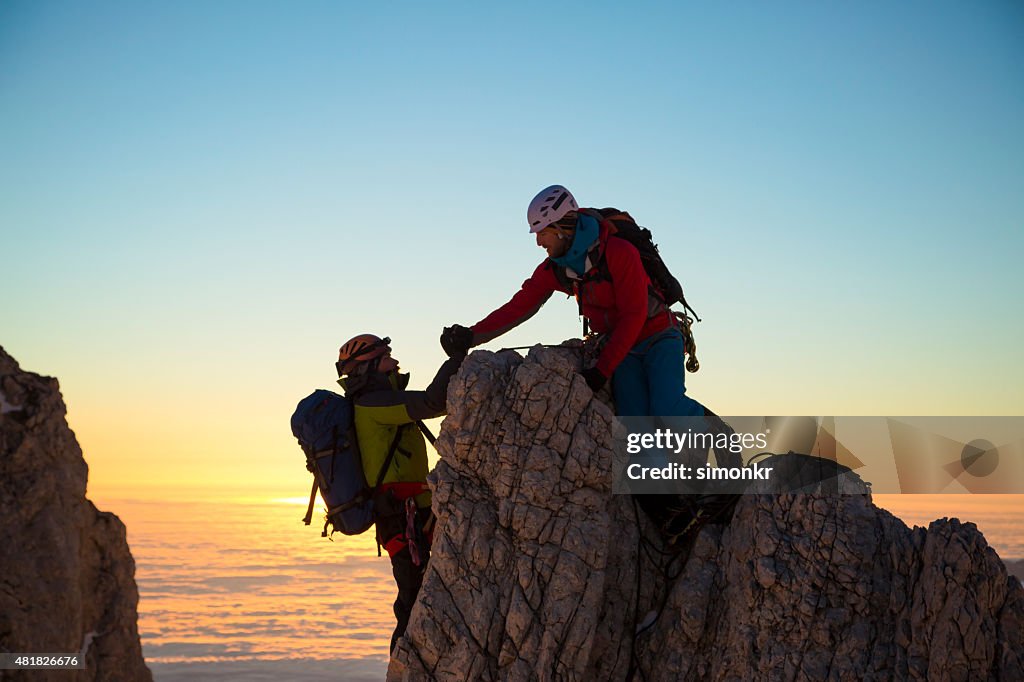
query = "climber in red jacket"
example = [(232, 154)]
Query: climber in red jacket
[(644, 346)]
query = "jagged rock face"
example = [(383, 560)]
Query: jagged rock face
[(539, 572), (67, 579)]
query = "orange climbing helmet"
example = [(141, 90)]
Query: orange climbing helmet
[(360, 349)]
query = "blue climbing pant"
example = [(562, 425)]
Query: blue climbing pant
[(651, 381)]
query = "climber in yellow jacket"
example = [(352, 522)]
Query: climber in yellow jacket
[(386, 416)]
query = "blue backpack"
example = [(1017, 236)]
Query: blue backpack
[(324, 425)]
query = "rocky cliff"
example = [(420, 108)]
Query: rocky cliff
[(539, 572), (67, 579)]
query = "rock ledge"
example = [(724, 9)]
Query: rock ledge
[(67, 579), (539, 572)]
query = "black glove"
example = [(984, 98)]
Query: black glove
[(594, 378), (456, 340)]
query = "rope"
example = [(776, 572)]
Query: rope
[(542, 345), (706, 509), (634, 663), (663, 567)]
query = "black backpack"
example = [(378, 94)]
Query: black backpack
[(668, 287), (664, 284)]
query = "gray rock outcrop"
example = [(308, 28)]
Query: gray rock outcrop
[(67, 579), (540, 572)]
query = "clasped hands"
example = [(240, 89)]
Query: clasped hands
[(457, 340)]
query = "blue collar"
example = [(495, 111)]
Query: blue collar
[(587, 231)]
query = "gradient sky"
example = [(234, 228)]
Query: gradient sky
[(200, 201)]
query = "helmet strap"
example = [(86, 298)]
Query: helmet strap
[(374, 364)]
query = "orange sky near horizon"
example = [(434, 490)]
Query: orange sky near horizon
[(920, 510)]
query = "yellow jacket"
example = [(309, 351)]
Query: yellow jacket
[(382, 406)]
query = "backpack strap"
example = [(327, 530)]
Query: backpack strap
[(606, 217), (308, 518), (573, 285), (318, 478), (426, 432), (383, 471), (561, 275), (390, 458)]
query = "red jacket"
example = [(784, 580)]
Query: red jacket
[(618, 307)]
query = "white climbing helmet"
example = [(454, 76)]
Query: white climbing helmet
[(548, 206)]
